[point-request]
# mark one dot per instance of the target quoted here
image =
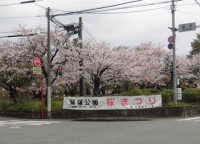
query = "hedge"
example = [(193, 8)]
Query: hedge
[(191, 95), (33, 105), (167, 94)]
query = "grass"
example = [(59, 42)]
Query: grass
[(34, 105)]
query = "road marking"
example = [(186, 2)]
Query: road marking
[(21, 123), (190, 119), (15, 127)]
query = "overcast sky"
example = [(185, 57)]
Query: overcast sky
[(128, 29)]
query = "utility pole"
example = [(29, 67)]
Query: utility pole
[(80, 34), (49, 88), (173, 28)]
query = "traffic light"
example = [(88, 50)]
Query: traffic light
[(170, 46), (171, 41)]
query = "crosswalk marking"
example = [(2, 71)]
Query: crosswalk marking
[(21, 123)]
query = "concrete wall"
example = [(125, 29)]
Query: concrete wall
[(148, 113)]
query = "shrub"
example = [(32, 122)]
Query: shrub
[(33, 105), (167, 96), (4, 104), (138, 92), (179, 104), (150, 91), (132, 92), (57, 105), (28, 105), (191, 95)]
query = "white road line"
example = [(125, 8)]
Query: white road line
[(15, 127), (189, 119), (20, 123)]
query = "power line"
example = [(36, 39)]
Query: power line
[(191, 4), (43, 7), (22, 17), (19, 3), (127, 12), (12, 4), (123, 7), (7, 32), (106, 8), (135, 11), (15, 32), (89, 34), (185, 12), (97, 8), (17, 35), (22, 35), (135, 6), (197, 2)]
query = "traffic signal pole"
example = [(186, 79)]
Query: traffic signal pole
[(174, 51)]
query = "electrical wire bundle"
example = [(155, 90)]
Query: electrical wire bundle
[(113, 9)]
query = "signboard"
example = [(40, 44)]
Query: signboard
[(37, 62), (37, 66), (37, 71), (187, 27), (171, 39), (179, 93), (112, 102)]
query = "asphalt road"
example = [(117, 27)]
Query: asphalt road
[(157, 131)]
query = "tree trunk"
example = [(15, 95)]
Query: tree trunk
[(13, 94), (96, 90)]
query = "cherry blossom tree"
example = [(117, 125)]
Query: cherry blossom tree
[(104, 66), (151, 63), (15, 71), (193, 67), (16, 58)]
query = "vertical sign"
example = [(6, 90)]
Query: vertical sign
[(179, 93), (37, 66)]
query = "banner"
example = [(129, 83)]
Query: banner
[(37, 70), (112, 102)]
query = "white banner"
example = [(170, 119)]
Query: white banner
[(112, 102)]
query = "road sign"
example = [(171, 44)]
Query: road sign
[(37, 62), (187, 27), (171, 39)]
